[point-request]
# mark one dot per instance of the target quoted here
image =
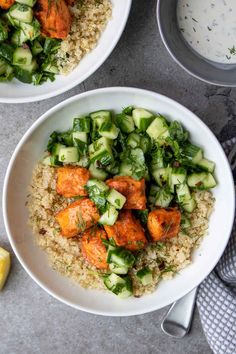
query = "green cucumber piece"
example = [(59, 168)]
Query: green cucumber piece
[(116, 199), (121, 257), (201, 180), (145, 276), (97, 173), (125, 123), (97, 186), (36, 48), (22, 56), (3, 31), (142, 118), (184, 197), (110, 216), (178, 175), (82, 124), (68, 155), (108, 130), (21, 12), (29, 3), (101, 114), (206, 165), (163, 198), (101, 150), (193, 153), (118, 269), (157, 128), (134, 140), (79, 136)]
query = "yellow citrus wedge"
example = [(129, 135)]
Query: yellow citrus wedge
[(5, 263)]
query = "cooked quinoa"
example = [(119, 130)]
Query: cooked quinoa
[(90, 18), (164, 258)]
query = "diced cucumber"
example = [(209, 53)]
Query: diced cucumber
[(157, 161), (193, 152), (202, 180), (184, 197), (109, 130), (133, 140), (185, 222), (57, 148), (82, 124), (206, 165), (116, 199), (113, 168), (157, 128), (125, 123), (118, 269), (22, 56), (83, 161), (145, 143), (101, 150), (3, 31), (14, 22), (142, 118), (97, 172), (110, 216), (126, 169), (18, 37), (178, 175), (68, 155), (101, 114), (122, 287), (51, 160), (163, 198), (29, 3), (31, 67), (30, 30), (21, 12), (36, 47), (121, 257), (145, 276), (50, 66), (162, 138), (79, 136), (111, 280), (97, 186), (153, 193), (162, 176)]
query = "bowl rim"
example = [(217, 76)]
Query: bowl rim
[(34, 127), (97, 64), (163, 38)]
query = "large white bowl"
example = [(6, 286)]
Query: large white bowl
[(34, 260), (17, 92)]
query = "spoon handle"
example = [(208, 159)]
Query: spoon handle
[(177, 321)]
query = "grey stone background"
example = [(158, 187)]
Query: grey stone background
[(30, 320)]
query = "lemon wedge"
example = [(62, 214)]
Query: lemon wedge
[(5, 262)]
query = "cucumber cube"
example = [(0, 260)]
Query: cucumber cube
[(109, 130), (97, 172), (163, 198), (116, 199), (145, 276), (22, 56), (157, 128), (110, 216), (125, 123), (206, 165), (21, 12), (118, 269), (97, 186), (68, 155), (101, 150), (80, 136), (142, 118)]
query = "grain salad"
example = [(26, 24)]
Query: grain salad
[(90, 18), (120, 201)]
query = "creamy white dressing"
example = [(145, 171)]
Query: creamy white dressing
[(209, 27)]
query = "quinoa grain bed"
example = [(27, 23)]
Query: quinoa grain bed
[(90, 18), (165, 259)]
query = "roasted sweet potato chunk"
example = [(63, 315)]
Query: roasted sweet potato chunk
[(93, 248), (163, 223), (6, 4), (71, 181), (127, 231), (54, 17), (77, 217), (133, 190)]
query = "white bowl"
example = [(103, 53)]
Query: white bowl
[(34, 260), (17, 92)]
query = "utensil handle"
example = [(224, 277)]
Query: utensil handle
[(177, 321)]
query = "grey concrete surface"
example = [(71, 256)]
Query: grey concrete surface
[(30, 320)]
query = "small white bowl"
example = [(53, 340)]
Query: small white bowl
[(18, 92), (34, 260)]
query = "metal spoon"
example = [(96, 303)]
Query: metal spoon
[(177, 321)]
